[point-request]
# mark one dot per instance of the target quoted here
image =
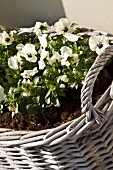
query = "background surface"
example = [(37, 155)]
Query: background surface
[(24, 13), (97, 14)]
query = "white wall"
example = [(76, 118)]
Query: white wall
[(97, 14)]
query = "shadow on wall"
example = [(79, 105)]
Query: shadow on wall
[(24, 13)]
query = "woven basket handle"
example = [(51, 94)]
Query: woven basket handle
[(87, 89)]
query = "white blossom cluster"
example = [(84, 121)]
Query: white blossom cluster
[(30, 62)]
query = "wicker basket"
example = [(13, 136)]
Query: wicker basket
[(82, 144)]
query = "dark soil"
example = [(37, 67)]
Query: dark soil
[(70, 108)]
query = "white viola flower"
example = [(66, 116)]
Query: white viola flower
[(44, 54), (45, 72), (67, 56), (56, 57), (6, 39), (63, 25), (62, 86), (65, 50), (38, 32), (11, 90), (13, 32), (41, 64), (74, 58), (50, 29), (29, 73), (15, 62), (19, 47), (2, 94), (71, 37), (65, 62), (24, 87), (37, 27), (26, 93), (43, 41), (64, 78), (36, 80), (29, 52), (26, 81), (98, 43)]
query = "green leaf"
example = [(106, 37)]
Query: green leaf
[(36, 99), (34, 109), (2, 28)]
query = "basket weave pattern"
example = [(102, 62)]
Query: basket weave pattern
[(82, 144)]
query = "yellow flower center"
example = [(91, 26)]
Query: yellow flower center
[(7, 39), (30, 55), (100, 45)]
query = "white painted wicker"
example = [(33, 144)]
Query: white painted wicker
[(82, 144)]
